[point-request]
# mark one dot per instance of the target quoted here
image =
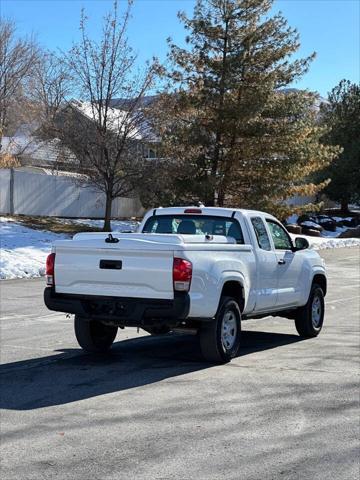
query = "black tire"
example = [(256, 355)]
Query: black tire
[(92, 336), (212, 343), (309, 322)]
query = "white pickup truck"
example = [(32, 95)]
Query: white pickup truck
[(187, 268)]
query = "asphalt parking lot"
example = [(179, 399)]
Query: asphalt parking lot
[(286, 408)]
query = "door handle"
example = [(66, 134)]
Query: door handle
[(281, 261)]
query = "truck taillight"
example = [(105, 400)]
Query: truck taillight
[(193, 210), (50, 267), (182, 274)]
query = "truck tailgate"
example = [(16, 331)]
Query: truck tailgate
[(130, 268)]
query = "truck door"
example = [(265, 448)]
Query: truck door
[(289, 266), (267, 268)]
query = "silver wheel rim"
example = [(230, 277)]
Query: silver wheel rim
[(316, 312), (228, 330)]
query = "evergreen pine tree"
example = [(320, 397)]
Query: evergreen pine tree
[(234, 134), (342, 114)]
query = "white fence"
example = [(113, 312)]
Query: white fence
[(26, 193), (5, 202)]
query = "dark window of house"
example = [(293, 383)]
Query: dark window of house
[(150, 152)]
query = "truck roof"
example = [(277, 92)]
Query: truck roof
[(228, 212)]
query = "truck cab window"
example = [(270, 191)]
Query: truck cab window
[(280, 236), (261, 233), (194, 225)]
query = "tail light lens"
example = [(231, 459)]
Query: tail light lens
[(50, 269), (182, 274), (193, 210)]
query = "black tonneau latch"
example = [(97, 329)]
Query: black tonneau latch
[(111, 239), (111, 264)]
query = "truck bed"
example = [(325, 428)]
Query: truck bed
[(137, 266)]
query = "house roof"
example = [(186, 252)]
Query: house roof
[(124, 103), (117, 119), (41, 152)]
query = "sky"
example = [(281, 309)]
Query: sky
[(328, 27)]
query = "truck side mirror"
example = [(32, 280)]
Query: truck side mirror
[(301, 243)]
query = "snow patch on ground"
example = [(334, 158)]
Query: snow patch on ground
[(116, 225), (341, 219), (293, 220), (320, 243), (23, 250), (338, 231), (310, 224)]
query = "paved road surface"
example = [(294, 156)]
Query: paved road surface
[(285, 409)]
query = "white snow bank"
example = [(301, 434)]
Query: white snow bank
[(338, 231), (320, 243), (23, 250), (310, 224), (341, 219), (116, 225), (293, 219)]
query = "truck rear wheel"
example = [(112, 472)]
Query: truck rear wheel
[(309, 318), (220, 338), (92, 336)]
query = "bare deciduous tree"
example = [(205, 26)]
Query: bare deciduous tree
[(49, 86), (107, 141), (17, 59)]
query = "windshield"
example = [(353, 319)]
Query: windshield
[(194, 225)]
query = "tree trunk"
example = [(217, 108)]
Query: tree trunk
[(107, 224), (344, 206), (209, 199), (220, 197), (219, 133)]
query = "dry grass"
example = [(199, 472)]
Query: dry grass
[(8, 161), (53, 224)]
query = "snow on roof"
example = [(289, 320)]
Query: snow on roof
[(117, 118), (125, 102)]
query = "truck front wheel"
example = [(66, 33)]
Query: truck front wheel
[(92, 336), (309, 318), (220, 338)]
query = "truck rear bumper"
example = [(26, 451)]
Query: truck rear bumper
[(121, 311)]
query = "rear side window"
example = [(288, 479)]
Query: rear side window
[(279, 235), (194, 225), (261, 233)]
